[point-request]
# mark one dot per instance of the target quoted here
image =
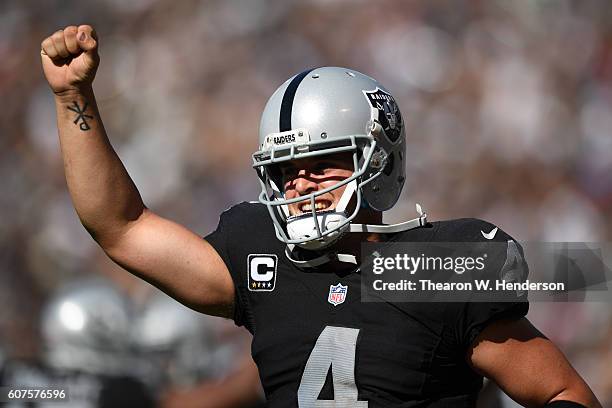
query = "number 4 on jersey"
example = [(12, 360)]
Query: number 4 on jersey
[(335, 347)]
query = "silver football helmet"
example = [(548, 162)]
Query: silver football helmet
[(324, 111), (179, 346), (86, 327)]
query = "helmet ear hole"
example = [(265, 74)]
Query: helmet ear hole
[(389, 166)]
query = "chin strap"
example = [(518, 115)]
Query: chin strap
[(319, 260), (420, 221), (389, 229)]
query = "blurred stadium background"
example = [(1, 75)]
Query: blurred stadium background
[(508, 107)]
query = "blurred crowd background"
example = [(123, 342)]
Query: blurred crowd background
[(508, 107)]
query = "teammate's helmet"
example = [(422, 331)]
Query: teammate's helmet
[(178, 346), (325, 111), (85, 327)]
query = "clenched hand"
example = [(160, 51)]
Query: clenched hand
[(70, 58)]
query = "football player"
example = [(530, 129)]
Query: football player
[(330, 160), (111, 352), (192, 360), (86, 350)]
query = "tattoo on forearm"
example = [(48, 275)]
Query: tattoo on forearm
[(81, 116)]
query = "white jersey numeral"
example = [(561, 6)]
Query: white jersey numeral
[(335, 347)]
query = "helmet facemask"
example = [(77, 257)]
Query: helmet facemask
[(314, 230)]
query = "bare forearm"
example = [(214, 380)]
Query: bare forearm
[(578, 392), (103, 194), (242, 388), (528, 366)]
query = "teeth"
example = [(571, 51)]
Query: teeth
[(318, 206)]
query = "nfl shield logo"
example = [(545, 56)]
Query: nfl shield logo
[(337, 294)]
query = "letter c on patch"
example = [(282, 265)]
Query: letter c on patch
[(262, 269)]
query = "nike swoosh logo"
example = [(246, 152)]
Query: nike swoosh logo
[(489, 235)]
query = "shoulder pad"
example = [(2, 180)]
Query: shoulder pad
[(470, 230)]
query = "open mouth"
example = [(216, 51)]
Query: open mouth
[(305, 208), (320, 205)]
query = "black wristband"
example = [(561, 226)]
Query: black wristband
[(564, 404)]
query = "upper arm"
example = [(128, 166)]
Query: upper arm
[(177, 261), (526, 365)]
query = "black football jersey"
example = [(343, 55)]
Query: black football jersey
[(318, 345)]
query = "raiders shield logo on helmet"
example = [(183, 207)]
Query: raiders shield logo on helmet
[(389, 115)]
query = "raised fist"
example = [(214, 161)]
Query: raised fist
[(70, 58)]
